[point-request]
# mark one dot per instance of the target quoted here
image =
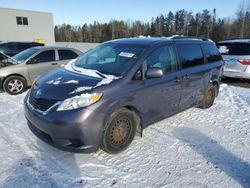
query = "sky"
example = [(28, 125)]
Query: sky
[(78, 12)]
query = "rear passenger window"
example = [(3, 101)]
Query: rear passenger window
[(46, 56), (190, 55), (212, 53), (67, 54), (163, 58)]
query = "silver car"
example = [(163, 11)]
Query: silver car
[(236, 54), (19, 72)]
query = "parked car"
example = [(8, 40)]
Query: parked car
[(9, 49), (236, 54), (18, 73), (114, 91)]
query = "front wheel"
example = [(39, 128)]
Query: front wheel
[(119, 131), (14, 85), (209, 97)]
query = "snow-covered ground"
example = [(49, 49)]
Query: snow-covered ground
[(196, 148)]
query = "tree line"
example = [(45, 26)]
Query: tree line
[(182, 22)]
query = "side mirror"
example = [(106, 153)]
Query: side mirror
[(32, 61), (154, 73)]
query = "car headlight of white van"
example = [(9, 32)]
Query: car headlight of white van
[(83, 100)]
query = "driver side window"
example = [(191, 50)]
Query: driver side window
[(46, 56), (163, 58)]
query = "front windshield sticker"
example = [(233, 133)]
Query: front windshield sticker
[(126, 54)]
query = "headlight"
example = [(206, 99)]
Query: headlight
[(79, 101)]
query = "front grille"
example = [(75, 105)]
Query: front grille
[(41, 104)]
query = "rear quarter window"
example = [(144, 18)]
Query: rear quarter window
[(190, 55), (234, 48), (67, 54), (212, 54)]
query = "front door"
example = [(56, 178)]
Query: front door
[(159, 98), (41, 63)]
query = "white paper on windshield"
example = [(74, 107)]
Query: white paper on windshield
[(126, 54), (223, 50)]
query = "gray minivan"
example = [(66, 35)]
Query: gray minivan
[(106, 96), (18, 73)]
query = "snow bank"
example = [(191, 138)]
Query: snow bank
[(195, 148)]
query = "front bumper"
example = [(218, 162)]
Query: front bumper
[(78, 131)]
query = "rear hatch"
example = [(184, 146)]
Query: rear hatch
[(236, 55)]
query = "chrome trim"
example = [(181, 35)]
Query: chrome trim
[(39, 111)]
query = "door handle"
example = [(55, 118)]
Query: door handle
[(55, 63), (186, 77)]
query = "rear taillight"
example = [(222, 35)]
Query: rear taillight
[(245, 61)]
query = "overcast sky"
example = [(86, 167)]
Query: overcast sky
[(77, 12)]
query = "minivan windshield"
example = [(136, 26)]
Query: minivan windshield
[(25, 54), (236, 48), (112, 58)]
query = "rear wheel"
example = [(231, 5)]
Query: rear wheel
[(119, 131), (209, 97), (14, 85)]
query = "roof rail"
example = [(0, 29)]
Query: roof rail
[(176, 37), (142, 36), (239, 39)]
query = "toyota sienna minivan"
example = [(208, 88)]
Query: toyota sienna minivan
[(114, 91)]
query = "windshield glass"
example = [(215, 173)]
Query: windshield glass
[(114, 59), (25, 54), (234, 48)]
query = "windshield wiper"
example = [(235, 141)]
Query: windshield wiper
[(72, 66), (100, 74), (15, 61)]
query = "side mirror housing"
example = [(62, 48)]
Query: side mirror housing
[(154, 73), (32, 61)]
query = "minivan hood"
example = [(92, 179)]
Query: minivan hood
[(61, 84)]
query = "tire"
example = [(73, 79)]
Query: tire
[(14, 85), (209, 97), (119, 132)]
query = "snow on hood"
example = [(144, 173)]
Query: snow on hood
[(58, 81), (89, 72), (106, 79)]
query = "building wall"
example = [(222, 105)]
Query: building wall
[(40, 26)]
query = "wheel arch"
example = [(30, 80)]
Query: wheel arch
[(117, 106), (14, 75), (217, 85), (138, 119)]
